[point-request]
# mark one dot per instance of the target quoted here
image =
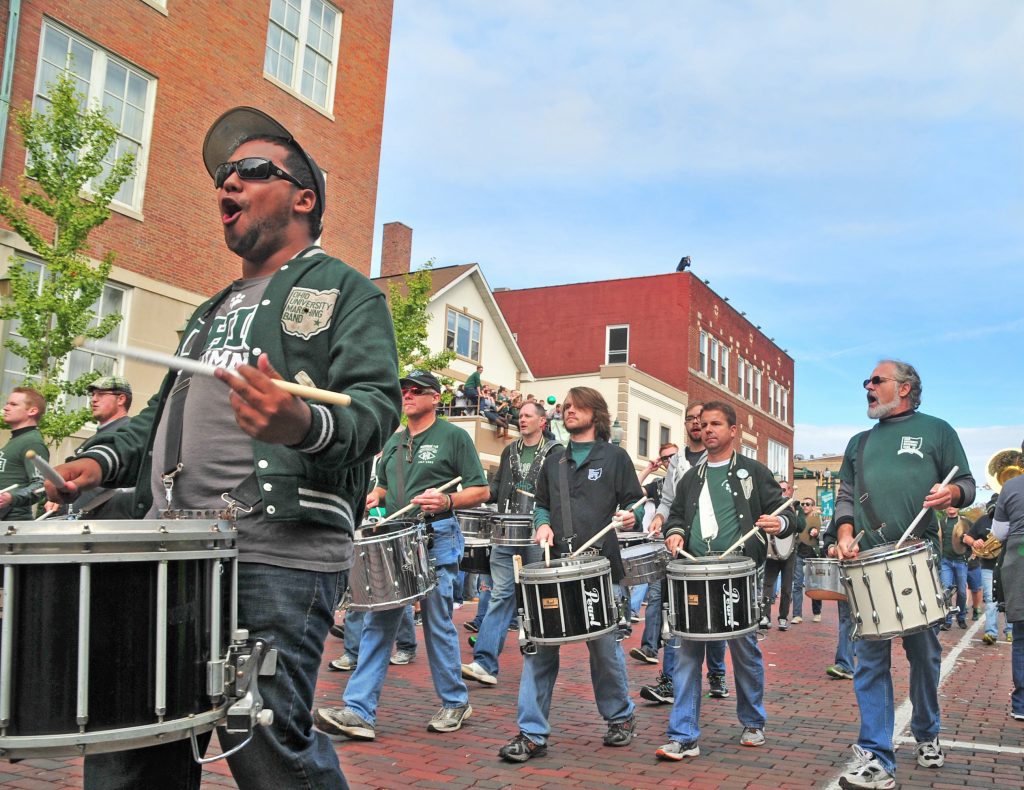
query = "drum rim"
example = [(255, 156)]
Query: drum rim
[(878, 552)]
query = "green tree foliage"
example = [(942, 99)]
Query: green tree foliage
[(66, 146), (410, 317)]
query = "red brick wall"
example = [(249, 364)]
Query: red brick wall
[(206, 61), (396, 249)]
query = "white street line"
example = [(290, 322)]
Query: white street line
[(969, 746), (906, 709)]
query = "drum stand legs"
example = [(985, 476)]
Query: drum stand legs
[(247, 660)]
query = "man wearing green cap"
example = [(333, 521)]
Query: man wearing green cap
[(298, 469)]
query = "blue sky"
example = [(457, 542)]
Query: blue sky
[(849, 174)]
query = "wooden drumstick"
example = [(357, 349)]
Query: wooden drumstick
[(611, 525), (411, 506), (916, 521), (188, 365), (753, 532), (547, 553), (527, 493), (47, 471)]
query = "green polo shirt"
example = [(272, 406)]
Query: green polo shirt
[(725, 514)]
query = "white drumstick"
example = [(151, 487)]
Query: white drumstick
[(753, 532), (527, 493), (611, 525), (411, 506), (9, 488), (914, 523), (47, 471), (547, 554), (188, 365)]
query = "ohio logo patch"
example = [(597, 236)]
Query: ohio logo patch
[(308, 312), (911, 445), (594, 474)]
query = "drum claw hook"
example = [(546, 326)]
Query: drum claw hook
[(234, 506)]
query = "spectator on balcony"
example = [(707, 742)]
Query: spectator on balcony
[(472, 387)]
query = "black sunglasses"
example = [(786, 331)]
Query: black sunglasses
[(876, 380), (252, 168), (417, 391), (667, 458)]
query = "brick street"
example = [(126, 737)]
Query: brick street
[(812, 720)]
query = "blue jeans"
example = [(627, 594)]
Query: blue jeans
[(798, 590), (440, 638), (748, 667), (502, 608), (872, 682), (292, 609), (991, 607), (651, 638), (484, 587), (1017, 665), (607, 676), (405, 640), (954, 574), (844, 646), (637, 593)]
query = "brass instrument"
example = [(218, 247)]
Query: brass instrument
[(1004, 465), (988, 550)]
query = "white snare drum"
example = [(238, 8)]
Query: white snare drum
[(644, 563), (475, 523), (894, 592), (712, 597), (512, 529), (116, 634), (573, 600), (391, 568), (822, 580), (632, 539)]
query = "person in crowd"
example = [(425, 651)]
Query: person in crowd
[(1008, 527), (954, 566), (781, 563), (19, 479), (806, 548), (986, 547)]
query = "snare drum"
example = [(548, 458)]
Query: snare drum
[(477, 557), (391, 568), (644, 563), (571, 601), (512, 529), (114, 633), (822, 580), (627, 539), (475, 524), (894, 592), (712, 597)]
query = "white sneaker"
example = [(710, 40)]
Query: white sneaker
[(476, 672), (343, 664), (817, 618), (797, 620), (783, 624), (930, 754), (868, 775)]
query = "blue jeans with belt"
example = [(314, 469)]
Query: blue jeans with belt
[(440, 638), (292, 609)]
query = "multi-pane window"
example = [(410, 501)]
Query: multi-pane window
[(748, 451), (462, 335), (617, 345), (665, 435), (771, 397), (302, 47), (741, 376), (125, 92), (755, 378), (713, 360), (80, 360), (723, 371), (643, 431), (778, 458), (703, 352)]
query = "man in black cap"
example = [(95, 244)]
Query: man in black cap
[(298, 469), (415, 464)]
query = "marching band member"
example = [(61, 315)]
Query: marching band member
[(519, 468), (427, 454), (716, 503), (1008, 526), (889, 472), (591, 480)]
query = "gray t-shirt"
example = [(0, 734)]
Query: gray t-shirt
[(217, 455)]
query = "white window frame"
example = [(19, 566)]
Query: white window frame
[(95, 89), (724, 366), (703, 353), (748, 451), (785, 405), (713, 359), (301, 38), (741, 376), (664, 434), (771, 397), (778, 458), (757, 388), (10, 377), (608, 345), (473, 322), (643, 437)]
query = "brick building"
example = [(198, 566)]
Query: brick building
[(166, 69), (674, 328)]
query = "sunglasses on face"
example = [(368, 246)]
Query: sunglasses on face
[(667, 458), (252, 168), (876, 380), (416, 391)]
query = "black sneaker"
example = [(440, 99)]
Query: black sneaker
[(469, 625), (520, 749), (620, 733), (337, 630), (718, 688), (962, 623), (644, 654), (663, 693), (945, 626)]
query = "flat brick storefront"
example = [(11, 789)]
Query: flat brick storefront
[(812, 720)]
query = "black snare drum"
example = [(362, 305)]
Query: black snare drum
[(712, 597), (477, 557), (627, 539), (571, 601)]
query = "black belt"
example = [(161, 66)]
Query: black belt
[(430, 518)]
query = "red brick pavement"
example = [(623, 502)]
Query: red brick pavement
[(812, 720)]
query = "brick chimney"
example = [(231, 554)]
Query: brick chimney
[(396, 251)]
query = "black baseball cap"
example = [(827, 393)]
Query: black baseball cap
[(421, 378), (240, 123)]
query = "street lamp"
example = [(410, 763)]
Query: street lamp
[(617, 432)]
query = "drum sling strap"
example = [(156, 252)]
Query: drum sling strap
[(864, 497), (563, 484), (245, 493)]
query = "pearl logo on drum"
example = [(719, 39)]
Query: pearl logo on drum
[(730, 597), (592, 596)]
